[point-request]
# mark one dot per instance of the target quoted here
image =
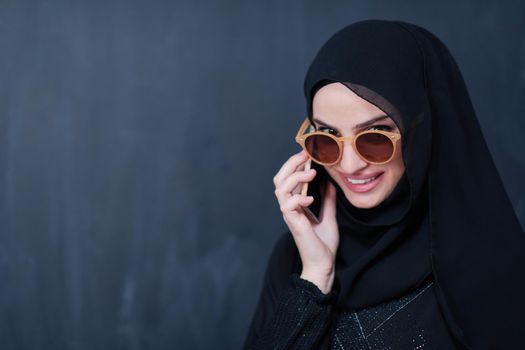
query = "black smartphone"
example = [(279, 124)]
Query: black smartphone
[(314, 188)]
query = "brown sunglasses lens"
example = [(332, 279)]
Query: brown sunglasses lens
[(375, 147), (322, 148)]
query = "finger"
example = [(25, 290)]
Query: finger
[(295, 203), (292, 185), (302, 166), (289, 167)]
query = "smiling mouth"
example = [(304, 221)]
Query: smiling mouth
[(362, 181), (362, 185)]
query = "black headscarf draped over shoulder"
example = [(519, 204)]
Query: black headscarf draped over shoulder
[(449, 217)]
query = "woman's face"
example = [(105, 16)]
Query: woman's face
[(338, 109)]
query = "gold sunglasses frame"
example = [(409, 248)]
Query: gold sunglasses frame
[(301, 137)]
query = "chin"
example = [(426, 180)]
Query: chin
[(363, 202), (370, 199)]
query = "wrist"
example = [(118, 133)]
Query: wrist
[(323, 281)]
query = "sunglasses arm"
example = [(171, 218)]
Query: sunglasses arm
[(302, 129)]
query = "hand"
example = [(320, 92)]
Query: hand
[(317, 243)]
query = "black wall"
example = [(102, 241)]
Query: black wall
[(138, 141)]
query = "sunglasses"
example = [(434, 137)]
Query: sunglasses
[(373, 146)]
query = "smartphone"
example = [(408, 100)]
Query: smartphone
[(314, 188)]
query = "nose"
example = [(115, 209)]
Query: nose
[(350, 161)]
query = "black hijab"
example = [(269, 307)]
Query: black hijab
[(449, 217)]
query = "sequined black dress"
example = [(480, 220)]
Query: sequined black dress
[(293, 313), (305, 318)]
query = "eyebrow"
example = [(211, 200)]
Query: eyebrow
[(356, 127)]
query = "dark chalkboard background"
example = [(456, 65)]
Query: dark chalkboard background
[(138, 140)]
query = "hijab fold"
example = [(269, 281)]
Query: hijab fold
[(449, 216)]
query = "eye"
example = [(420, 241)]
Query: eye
[(381, 127), (327, 130)]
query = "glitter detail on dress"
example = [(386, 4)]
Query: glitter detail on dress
[(392, 325)]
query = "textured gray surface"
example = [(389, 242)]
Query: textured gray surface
[(138, 141)]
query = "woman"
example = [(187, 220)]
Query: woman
[(417, 245)]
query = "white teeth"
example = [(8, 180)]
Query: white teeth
[(361, 181)]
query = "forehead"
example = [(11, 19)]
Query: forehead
[(338, 106)]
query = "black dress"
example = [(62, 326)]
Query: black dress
[(302, 317)]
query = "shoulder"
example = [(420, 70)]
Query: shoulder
[(284, 245), (284, 259), (285, 251)]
